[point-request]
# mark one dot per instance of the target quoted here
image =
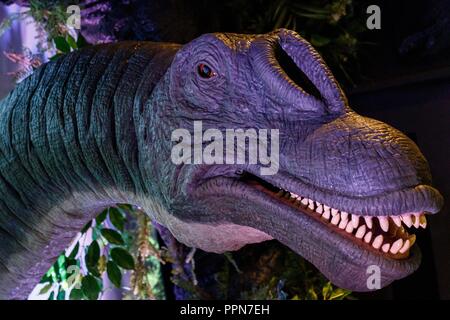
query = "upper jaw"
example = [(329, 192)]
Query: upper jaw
[(420, 198)]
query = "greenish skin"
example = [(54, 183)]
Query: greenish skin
[(93, 129)]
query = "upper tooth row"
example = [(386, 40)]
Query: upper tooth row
[(409, 219)]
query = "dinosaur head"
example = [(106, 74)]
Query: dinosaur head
[(347, 190)]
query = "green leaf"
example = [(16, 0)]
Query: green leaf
[(116, 218), (92, 256), (326, 291), (339, 294), (112, 236), (319, 41), (122, 258), (311, 295), (46, 288), (101, 217), (81, 41), (70, 262), (124, 207), (114, 273), (46, 278), (55, 57), (61, 295), (86, 227), (51, 296), (74, 252), (61, 44), (90, 287), (76, 294), (71, 41)]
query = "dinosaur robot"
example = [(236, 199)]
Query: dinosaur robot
[(93, 128)]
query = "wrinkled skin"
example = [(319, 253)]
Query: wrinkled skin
[(94, 128)]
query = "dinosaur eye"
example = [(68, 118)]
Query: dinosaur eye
[(205, 71)]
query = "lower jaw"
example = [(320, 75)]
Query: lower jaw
[(339, 258), (395, 241)]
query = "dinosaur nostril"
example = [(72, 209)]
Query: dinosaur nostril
[(294, 73), (295, 76)]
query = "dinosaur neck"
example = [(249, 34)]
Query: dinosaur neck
[(68, 149)]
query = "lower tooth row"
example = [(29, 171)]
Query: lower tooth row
[(341, 220)]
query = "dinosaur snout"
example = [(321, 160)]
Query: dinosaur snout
[(295, 76), (361, 156)]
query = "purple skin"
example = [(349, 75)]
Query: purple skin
[(94, 128)]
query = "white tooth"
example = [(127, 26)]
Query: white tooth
[(385, 247), (293, 195), (326, 215), (423, 221), (319, 209), (305, 201), (377, 242), (368, 220), (405, 247), (344, 215), (343, 224), (397, 245), (349, 228), (334, 212), (335, 219), (368, 237), (311, 205), (406, 218), (416, 221), (397, 220), (384, 223), (361, 231), (326, 208), (355, 221)]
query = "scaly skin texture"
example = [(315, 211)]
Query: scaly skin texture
[(94, 128)]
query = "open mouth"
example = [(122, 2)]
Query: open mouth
[(387, 235)]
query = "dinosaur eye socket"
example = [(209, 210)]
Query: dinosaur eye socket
[(205, 71)]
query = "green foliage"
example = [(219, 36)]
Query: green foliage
[(92, 257), (66, 44), (51, 18), (114, 273), (104, 246), (272, 271), (90, 287), (122, 258), (112, 236), (117, 218)]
